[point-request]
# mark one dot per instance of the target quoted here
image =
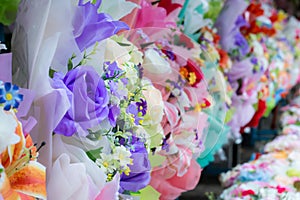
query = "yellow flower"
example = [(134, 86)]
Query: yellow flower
[(192, 78), (281, 16), (105, 164), (184, 72), (198, 107), (126, 172)]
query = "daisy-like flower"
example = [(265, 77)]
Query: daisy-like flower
[(118, 161), (9, 96), (123, 155)]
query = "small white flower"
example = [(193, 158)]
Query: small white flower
[(122, 155)]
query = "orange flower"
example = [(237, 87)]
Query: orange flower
[(192, 73), (224, 59), (22, 176)]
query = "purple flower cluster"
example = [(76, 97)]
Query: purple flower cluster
[(139, 176), (242, 44)]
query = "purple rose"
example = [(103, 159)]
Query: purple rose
[(91, 26), (139, 176), (88, 98)]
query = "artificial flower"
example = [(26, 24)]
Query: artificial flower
[(86, 90), (155, 67), (158, 19), (22, 176), (139, 175), (171, 187), (9, 96), (69, 159), (91, 26), (117, 10)]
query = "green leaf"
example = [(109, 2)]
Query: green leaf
[(51, 73), (149, 193), (70, 63), (93, 1), (135, 193), (124, 44), (146, 44), (94, 154)]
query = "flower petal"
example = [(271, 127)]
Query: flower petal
[(30, 180)]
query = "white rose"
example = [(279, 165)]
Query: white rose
[(155, 112), (156, 64), (115, 52), (155, 105), (122, 54)]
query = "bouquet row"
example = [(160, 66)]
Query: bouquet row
[(274, 174), (130, 99)]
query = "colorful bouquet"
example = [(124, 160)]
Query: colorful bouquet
[(126, 111), (127, 98)]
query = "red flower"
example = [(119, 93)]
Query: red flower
[(224, 58), (248, 192), (274, 17), (168, 5), (262, 107), (192, 73), (280, 189), (205, 103), (253, 11)]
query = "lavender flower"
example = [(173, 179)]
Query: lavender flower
[(112, 70), (88, 98), (241, 22), (242, 44), (133, 111), (165, 145), (142, 107), (114, 112), (91, 26), (139, 176), (114, 90)]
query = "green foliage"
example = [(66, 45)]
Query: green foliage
[(8, 11), (215, 7), (210, 195), (94, 154)]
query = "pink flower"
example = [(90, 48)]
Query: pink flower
[(158, 16), (171, 187)]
